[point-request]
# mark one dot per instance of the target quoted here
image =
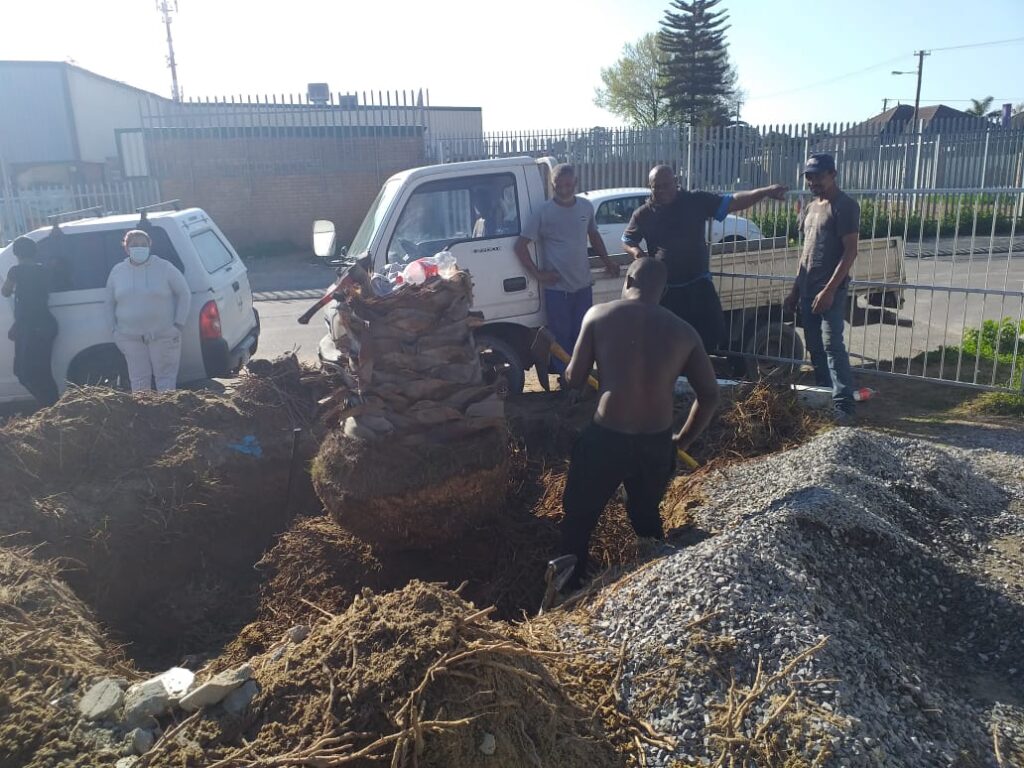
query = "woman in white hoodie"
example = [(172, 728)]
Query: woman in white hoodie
[(148, 303)]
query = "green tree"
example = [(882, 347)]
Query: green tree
[(983, 107), (697, 76), (632, 85)]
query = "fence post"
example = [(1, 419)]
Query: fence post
[(9, 224)]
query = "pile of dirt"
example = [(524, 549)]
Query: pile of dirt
[(50, 647), (422, 458), (157, 505), (754, 419), (413, 677), (285, 382)]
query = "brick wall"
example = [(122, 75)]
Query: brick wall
[(268, 185)]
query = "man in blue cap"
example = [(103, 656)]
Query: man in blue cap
[(830, 225)]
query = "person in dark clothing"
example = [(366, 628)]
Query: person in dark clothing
[(640, 349), (830, 225), (34, 328), (672, 223)]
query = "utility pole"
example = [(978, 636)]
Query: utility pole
[(912, 176), (885, 105), (165, 11), (917, 96), (920, 69)]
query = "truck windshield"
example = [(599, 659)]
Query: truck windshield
[(374, 216)]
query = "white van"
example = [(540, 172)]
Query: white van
[(222, 331)]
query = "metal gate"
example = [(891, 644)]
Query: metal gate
[(937, 290)]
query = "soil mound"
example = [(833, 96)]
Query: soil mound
[(413, 677), (50, 646), (156, 505)]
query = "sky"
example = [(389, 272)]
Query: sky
[(533, 63)]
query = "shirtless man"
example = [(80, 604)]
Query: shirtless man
[(640, 349)]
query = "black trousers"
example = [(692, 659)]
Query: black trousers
[(602, 459), (33, 354), (698, 304)]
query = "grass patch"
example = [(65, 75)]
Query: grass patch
[(991, 355), (998, 404)]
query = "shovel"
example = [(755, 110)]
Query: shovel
[(544, 345)]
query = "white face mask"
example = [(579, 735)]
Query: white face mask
[(138, 254)]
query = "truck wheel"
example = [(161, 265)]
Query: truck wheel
[(501, 365), (773, 339), (102, 367)]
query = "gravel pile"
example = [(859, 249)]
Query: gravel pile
[(903, 556)]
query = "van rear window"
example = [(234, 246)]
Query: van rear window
[(82, 261), (212, 252)]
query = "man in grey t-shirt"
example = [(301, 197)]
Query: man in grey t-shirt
[(561, 228), (830, 225)]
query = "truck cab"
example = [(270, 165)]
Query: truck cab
[(476, 211)]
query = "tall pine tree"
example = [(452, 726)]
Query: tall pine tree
[(697, 76)]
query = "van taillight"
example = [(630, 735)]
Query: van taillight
[(209, 321)]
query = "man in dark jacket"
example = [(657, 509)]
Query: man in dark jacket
[(34, 328)]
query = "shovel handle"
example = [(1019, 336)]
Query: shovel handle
[(561, 354), (687, 459)]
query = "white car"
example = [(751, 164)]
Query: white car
[(613, 208), (220, 335)]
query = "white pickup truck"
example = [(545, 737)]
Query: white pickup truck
[(476, 210)]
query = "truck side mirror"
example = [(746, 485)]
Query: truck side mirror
[(323, 238)]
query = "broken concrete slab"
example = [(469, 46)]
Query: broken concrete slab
[(177, 681), (488, 745), (298, 633), (682, 386), (102, 701), (142, 740), (238, 701), (216, 689), (146, 700), (813, 397)]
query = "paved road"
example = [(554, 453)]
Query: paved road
[(281, 332)]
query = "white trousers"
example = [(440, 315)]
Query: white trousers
[(153, 356)]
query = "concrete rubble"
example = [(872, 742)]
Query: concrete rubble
[(142, 740), (102, 701), (216, 689), (145, 701), (238, 701)]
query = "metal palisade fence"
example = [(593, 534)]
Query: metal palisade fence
[(942, 154), (28, 208)]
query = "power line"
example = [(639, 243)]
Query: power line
[(882, 64), (981, 45), (829, 81), (960, 101)]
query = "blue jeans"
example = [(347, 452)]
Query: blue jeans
[(565, 312), (823, 335)]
